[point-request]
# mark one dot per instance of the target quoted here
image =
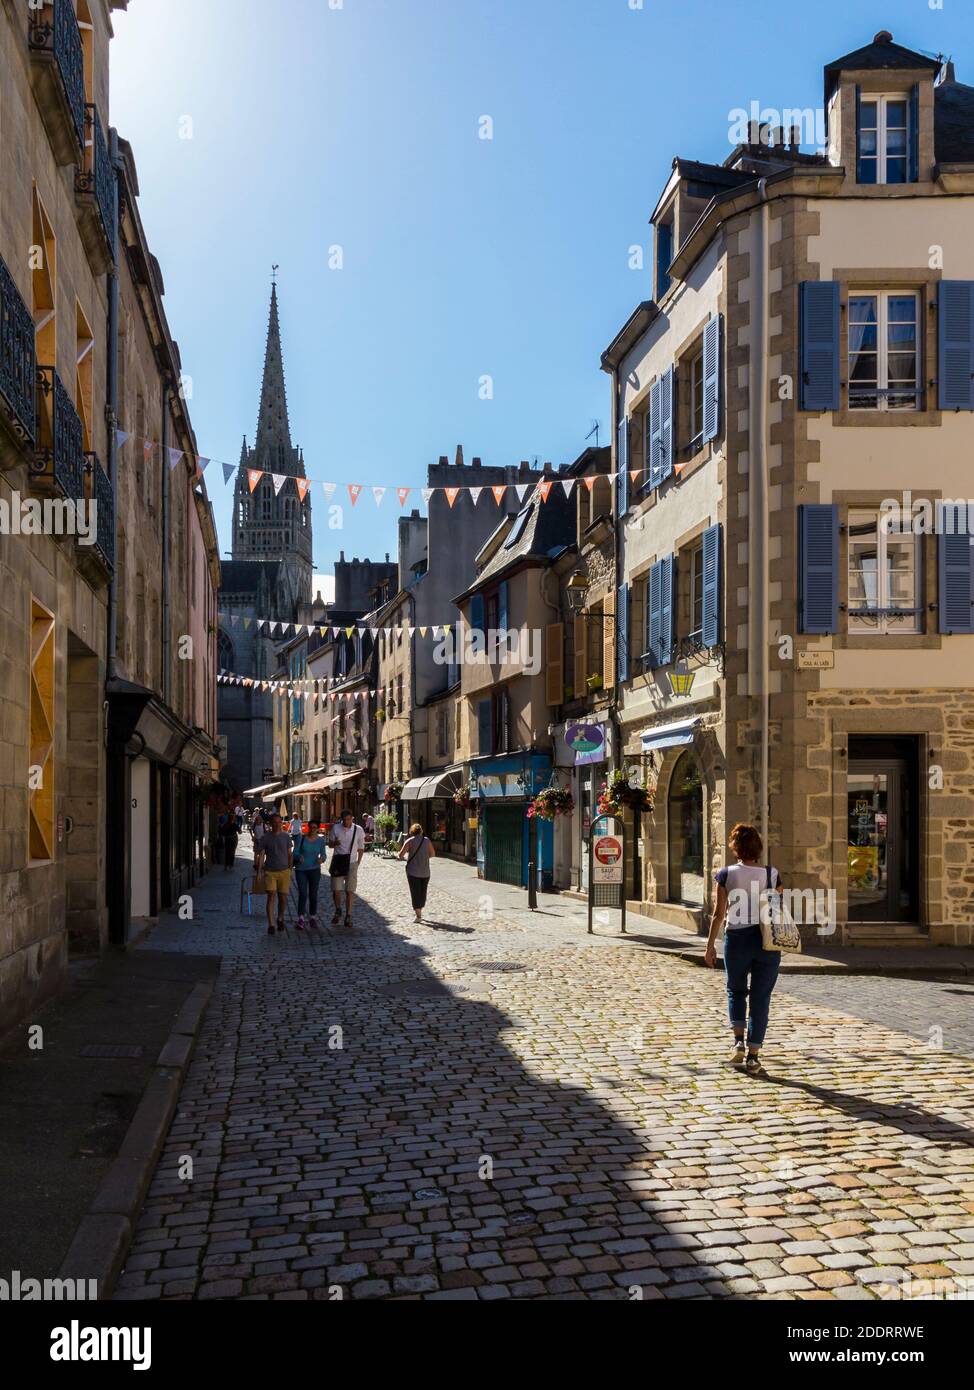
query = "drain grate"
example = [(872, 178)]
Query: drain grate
[(108, 1051), (483, 966)]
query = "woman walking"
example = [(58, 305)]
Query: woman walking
[(418, 851), (751, 970), (310, 853)]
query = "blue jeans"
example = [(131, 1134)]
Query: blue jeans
[(743, 956), (308, 880)]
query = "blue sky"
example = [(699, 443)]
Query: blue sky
[(358, 127)]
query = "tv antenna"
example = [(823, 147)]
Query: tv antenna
[(594, 430)]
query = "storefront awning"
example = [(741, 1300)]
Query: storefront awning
[(670, 735), (256, 791), (308, 788), (411, 790), (441, 784), (344, 777)]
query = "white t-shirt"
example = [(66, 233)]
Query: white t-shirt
[(350, 841), (745, 884), (295, 827)]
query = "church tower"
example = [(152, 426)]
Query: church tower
[(273, 522)]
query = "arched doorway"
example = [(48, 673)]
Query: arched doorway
[(684, 818)]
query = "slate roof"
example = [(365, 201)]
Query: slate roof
[(954, 123), (245, 576), (550, 528), (882, 54)]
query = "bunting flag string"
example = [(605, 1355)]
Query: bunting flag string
[(296, 687), (539, 487), (275, 627)]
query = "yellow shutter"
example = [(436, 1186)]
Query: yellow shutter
[(609, 642), (581, 639), (555, 672)]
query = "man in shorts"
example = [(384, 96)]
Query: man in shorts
[(274, 855), (348, 840)]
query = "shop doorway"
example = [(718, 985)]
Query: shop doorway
[(882, 830), (505, 838), (684, 819)]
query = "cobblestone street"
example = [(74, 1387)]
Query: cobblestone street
[(495, 1105)]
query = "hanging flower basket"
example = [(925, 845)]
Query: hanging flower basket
[(393, 791), (551, 803), (462, 797), (594, 682), (619, 793)]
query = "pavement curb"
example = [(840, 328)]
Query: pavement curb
[(102, 1240)]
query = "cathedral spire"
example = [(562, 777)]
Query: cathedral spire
[(273, 431)]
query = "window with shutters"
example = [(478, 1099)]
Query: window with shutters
[(884, 576), (884, 138), (884, 352)]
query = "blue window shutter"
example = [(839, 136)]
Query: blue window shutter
[(711, 378), (667, 595), (955, 329), (818, 568), (858, 134), (913, 163), (475, 613), (819, 341), (711, 586), (666, 429), (622, 466), (502, 606), (955, 553), (622, 635), (653, 607), (483, 726), (655, 431)]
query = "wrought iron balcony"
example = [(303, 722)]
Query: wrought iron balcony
[(18, 367), (93, 183), (58, 74), (100, 493), (59, 461)]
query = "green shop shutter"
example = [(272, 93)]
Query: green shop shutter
[(955, 553), (711, 378), (818, 568), (818, 313), (955, 331), (711, 586)]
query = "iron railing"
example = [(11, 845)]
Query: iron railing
[(59, 444), (54, 31), (18, 365), (101, 495), (96, 175)]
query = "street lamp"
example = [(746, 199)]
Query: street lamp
[(577, 589)]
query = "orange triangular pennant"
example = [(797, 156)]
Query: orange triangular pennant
[(354, 490), (254, 476), (452, 493), (499, 493), (402, 493), (303, 486), (544, 489)]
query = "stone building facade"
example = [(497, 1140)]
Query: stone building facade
[(75, 275), (831, 652)]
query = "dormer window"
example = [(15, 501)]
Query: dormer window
[(664, 255), (888, 138)]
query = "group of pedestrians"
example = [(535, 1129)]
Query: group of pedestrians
[(279, 852)]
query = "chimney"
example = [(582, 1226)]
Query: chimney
[(754, 132), (475, 462), (459, 459), (444, 459), (947, 72)]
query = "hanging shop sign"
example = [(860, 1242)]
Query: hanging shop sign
[(587, 742)]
